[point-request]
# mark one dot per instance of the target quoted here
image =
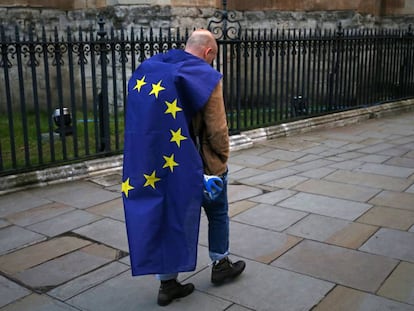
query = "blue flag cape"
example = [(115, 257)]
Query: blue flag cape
[(162, 180)]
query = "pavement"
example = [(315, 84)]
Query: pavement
[(323, 219)]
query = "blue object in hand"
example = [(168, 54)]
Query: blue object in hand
[(213, 185)]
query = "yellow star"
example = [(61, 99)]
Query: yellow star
[(177, 137), (172, 108), (126, 187), (140, 84), (156, 88), (169, 162), (151, 180)]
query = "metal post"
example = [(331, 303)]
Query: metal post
[(103, 96)]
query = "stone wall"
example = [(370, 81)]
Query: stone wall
[(166, 16)]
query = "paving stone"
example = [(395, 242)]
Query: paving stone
[(318, 173), (374, 158), (237, 308), (388, 217), (369, 180), (270, 217), (308, 166), (128, 293), (251, 160), (13, 237), (64, 223), (352, 236), (347, 165), (79, 194), (263, 287), (284, 155), (391, 243), (41, 252), (400, 285), (113, 209), (376, 148), (37, 302), (338, 190), (326, 206), (387, 170), (308, 158), (275, 165), (411, 229), (239, 207), (266, 178), (350, 155), (107, 231), (316, 227), (394, 199), (87, 281), (38, 214), (410, 190), (346, 299), (339, 265), (60, 270), (254, 243), (4, 223), (273, 197), (10, 291), (19, 201), (241, 192), (286, 182), (245, 173), (398, 161), (107, 180), (397, 152)]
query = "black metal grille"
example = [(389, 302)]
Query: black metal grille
[(62, 94)]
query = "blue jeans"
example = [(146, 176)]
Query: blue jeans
[(218, 227)]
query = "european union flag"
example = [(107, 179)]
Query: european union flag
[(162, 173)]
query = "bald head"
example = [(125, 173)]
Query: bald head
[(202, 44)]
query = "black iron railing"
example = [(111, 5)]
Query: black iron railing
[(62, 94)]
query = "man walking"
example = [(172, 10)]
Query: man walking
[(176, 136)]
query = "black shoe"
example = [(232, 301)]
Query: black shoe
[(171, 289), (224, 270)]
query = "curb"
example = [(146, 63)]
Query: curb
[(244, 140)]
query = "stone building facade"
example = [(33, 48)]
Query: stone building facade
[(196, 13)]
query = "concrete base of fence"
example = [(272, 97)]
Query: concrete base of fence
[(237, 142)]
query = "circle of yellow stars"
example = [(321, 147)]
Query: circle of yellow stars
[(176, 136)]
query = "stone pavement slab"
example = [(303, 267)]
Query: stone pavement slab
[(18, 202), (113, 209), (338, 190), (41, 252), (73, 194), (64, 223), (263, 287), (87, 281), (387, 170), (38, 214), (322, 205), (36, 302), (394, 199), (388, 217), (338, 265), (60, 270), (270, 217), (391, 243), (11, 291), (400, 285), (126, 293), (346, 299), (14, 237), (107, 231), (317, 227), (369, 180)]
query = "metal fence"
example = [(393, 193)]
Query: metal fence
[(62, 93)]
